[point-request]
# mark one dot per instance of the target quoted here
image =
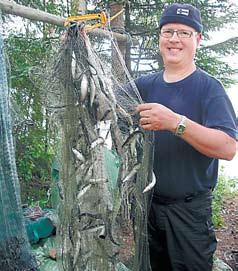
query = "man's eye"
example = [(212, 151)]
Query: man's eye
[(167, 31), (185, 33)]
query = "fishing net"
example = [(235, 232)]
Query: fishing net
[(105, 172), (15, 252)]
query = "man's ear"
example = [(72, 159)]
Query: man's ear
[(199, 39)]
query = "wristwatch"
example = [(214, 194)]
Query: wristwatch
[(181, 126)]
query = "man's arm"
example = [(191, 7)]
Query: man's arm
[(208, 141)]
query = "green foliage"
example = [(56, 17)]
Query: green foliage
[(217, 67), (218, 202), (225, 188), (33, 159), (49, 6), (34, 152), (142, 18)]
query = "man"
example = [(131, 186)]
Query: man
[(194, 125)]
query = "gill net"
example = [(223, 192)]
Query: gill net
[(105, 158), (15, 254)]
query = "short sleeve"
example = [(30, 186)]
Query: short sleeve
[(220, 114)]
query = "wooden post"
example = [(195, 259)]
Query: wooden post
[(128, 44), (118, 24)]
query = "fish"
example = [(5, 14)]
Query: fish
[(106, 230), (84, 88), (132, 173), (132, 137), (150, 185), (83, 191), (97, 142), (92, 91), (79, 155)]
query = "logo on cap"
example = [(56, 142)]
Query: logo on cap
[(183, 11)]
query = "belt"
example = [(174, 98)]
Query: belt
[(188, 198)]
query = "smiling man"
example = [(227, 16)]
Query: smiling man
[(194, 125)]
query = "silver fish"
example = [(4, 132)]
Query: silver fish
[(79, 155), (92, 91), (132, 173), (150, 185), (84, 88), (97, 142)]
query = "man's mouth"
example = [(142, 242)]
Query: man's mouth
[(175, 49)]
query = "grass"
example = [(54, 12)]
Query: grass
[(226, 188)]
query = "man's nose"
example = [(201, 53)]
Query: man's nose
[(175, 36)]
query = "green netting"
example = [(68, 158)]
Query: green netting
[(54, 193), (14, 248), (112, 166), (105, 161), (121, 267)]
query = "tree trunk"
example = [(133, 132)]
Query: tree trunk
[(128, 44), (118, 24), (78, 7)]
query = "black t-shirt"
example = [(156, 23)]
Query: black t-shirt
[(179, 168)]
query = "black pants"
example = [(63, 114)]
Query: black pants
[(181, 235)]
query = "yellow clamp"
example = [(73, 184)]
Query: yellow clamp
[(89, 17)]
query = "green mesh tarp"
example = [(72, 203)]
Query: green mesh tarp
[(14, 248), (42, 254)]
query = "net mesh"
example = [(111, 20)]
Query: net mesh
[(105, 160), (15, 252)]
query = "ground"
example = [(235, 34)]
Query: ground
[(227, 235)]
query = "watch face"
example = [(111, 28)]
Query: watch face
[(181, 126), (181, 129)]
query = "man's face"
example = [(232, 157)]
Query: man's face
[(178, 51)]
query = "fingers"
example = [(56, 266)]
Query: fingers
[(144, 107), (155, 116), (147, 127), (145, 114), (144, 111), (145, 122)]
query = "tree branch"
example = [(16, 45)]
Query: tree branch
[(11, 7), (232, 42), (30, 13)]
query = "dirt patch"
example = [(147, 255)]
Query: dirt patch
[(227, 235)]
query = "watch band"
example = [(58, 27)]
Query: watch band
[(181, 126)]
